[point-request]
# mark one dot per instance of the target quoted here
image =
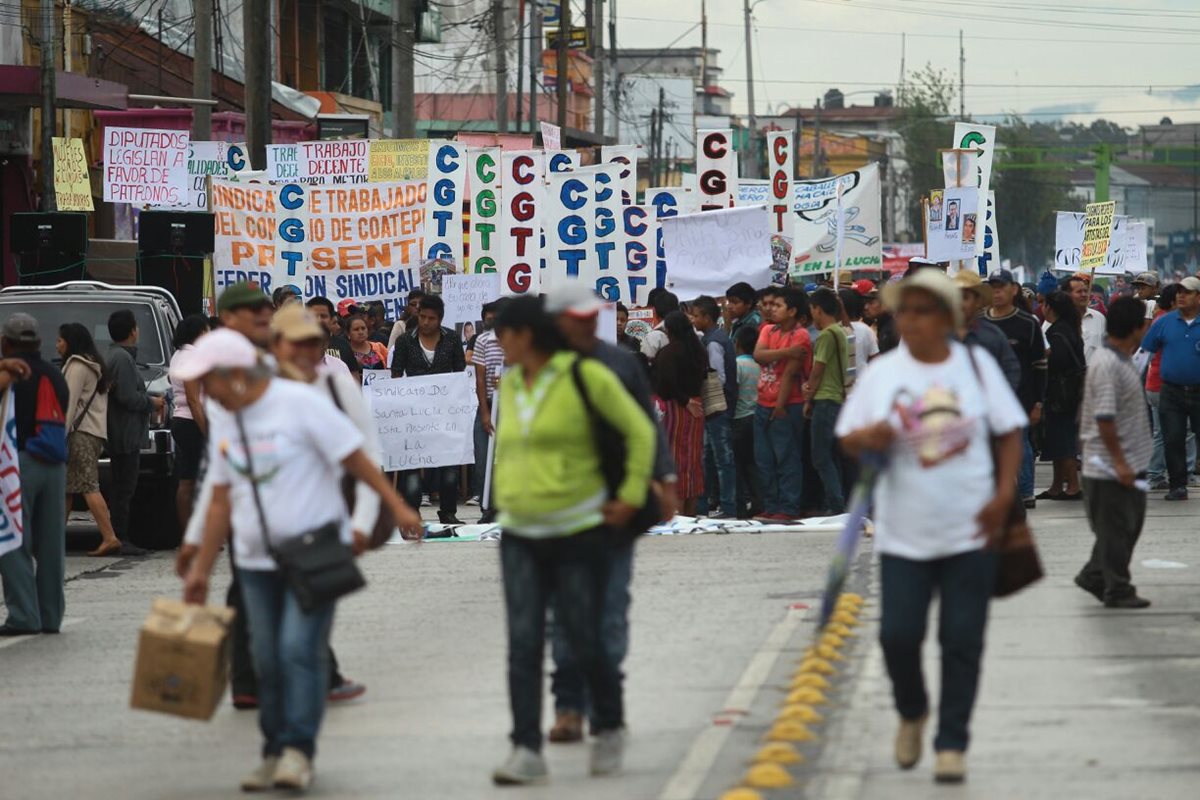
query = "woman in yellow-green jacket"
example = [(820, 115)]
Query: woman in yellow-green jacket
[(557, 516)]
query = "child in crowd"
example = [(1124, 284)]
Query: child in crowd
[(749, 495)]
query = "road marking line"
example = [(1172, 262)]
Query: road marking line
[(66, 623), (689, 777)]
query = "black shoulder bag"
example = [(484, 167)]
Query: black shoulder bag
[(318, 567), (610, 444)]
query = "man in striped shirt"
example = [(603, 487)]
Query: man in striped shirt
[(488, 359), (1115, 434)]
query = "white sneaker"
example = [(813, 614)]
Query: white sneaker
[(607, 749), (294, 770), (262, 778), (474, 501), (523, 767)]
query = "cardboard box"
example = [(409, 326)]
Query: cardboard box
[(183, 659)]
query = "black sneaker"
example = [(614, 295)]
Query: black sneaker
[(1030, 502), (1132, 601), (1179, 493), (1095, 591), (448, 518)]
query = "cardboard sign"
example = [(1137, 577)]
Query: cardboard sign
[(341, 161), (952, 224), (465, 296), (641, 247), (424, 422), (551, 136), (1097, 234), (708, 252), (145, 166), (716, 165), (11, 522), (815, 235), (521, 221), (341, 242), (627, 156), (443, 202), (72, 186), (391, 160)]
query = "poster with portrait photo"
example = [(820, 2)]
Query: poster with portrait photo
[(968, 229), (935, 206), (952, 215), (952, 238)]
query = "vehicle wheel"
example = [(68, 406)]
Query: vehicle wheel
[(153, 521)]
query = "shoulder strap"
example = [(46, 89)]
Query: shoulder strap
[(979, 380), (333, 392), (581, 387), (79, 417), (262, 517)]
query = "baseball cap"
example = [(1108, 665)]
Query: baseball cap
[(21, 327), (347, 307), (864, 287), (574, 299), (970, 279), (220, 349), (1001, 277), (933, 281), (1147, 279), (242, 295), (295, 323), (1190, 284)]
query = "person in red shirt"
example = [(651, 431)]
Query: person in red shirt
[(785, 352)]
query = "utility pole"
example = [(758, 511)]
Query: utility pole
[(796, 142), (564, 36), (597, 43), (654, 126), (501, 66), (404, 40), (752, 144), (962, 80), (816, 140), (704, 51), (202, 69), (535, 62), (521, 61), (49, 101), (256, 33), (616, 71), (903, 72)]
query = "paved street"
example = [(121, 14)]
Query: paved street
[(1077, 701)]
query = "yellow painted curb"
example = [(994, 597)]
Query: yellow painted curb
[(801, 712), (768, 776), (779, 753), (845, 618), (741, 793), (832, 639), (790, 731), (810, 679), (818, 665), (828, 653), (809, 695), (852, 597), (839, 629)]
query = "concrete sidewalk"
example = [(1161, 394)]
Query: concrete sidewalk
[(1076, 700)]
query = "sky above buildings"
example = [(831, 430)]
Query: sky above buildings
[(1131, 61)]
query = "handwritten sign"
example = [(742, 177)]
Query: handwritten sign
[(342, 161), (1097, 234), (398, 160), (72, 187), (708, 252), (551, 136), (465, 296), (424, 422), (205, 160), (952, 224), (145, 166)]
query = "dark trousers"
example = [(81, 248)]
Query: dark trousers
[(964, 585), (124, 479), (825, 455), (1178, 407), (446, 480), (574, 571), (1116, 514), (749, 492)]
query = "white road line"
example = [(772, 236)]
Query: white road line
[(66, 623), (689, 777)]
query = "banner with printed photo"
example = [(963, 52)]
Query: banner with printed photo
[(11, 522), (524, 191), (952, 224), (708, 252), (484, 186), (145, 166), (815, 237), (716, 166), (444, 202), (359, 242), (320, 162), (390, 160), (627, 156), (72, 184)]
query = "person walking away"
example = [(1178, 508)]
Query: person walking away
[(978, 331), (295, 484), (434, 350), (720, 471), (368, 354), (1157, 473), (1115, 432), (952, 470), (678, 380), (740, 301), (1065, 371), (824, 393), (748, 374), (1025, 337), (559, 522), (784, 351), (129, 410), (33, 573), (1175, 335), (86, 415), (576, 313), (188, 424)]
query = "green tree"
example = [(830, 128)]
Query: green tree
[(926, 128)]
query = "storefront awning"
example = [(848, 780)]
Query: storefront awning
[(21, 87)]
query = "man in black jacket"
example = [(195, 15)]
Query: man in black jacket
[(432, 350), (129, 409)]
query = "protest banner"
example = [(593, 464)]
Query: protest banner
[(320, 162), (391, 160), (716, 166), (205, 160), (1135, 248), (562, 161), (752, 192), (523, 190), (667, 201), (10, 477), (708, 252), (484, 173), (342, 242), (780, 164), (443, 202), (465, 296), (982, 138), (1068, 243), (989, 262), (641, 247), (608, 244), (145, 166), (951, 224), (814, 242), (424, 422), (72, 186), (1097, 234), (627, 156), (551, 136), (570, 223)]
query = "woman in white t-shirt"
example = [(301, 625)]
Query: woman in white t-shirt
[(299, 445), (934, 407)]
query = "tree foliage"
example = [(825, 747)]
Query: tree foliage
[(925, 127)]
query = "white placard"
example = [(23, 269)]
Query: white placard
[(971, 135), (952, 224), (627, 156), (447, 186), (716, 166), (815, 234), (706, 253), (145, 166), (465, 296), (551, 136), (427, 421), (1068, 244), (570, 229), (521, 184)]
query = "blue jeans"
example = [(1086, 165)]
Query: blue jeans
[(567, 683), (32, 574), (778, 444), (1025, 473), (481, 453), (825, 453), (291, 659), (964, 584), (574, 571), (720, 473)]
